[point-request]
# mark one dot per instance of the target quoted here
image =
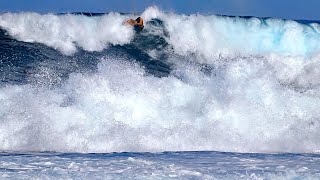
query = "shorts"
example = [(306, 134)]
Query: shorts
[(138, 28)]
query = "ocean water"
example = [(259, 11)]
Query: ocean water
[(165, 165), (191, 96)]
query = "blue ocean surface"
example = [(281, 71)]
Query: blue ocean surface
[(165, 165), (83, 96)]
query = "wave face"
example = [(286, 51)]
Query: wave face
[(76, 83)]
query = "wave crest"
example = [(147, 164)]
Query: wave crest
[(66, 32)]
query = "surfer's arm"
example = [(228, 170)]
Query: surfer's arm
[(139, 24), (130, 22), (134, 23)]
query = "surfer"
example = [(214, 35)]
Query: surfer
[(137, 24)]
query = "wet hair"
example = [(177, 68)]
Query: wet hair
[(138, 20)]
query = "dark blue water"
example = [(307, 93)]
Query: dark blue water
[(20, 60)]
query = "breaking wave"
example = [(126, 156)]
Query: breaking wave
[(76, 83)]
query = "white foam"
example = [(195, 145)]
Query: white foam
[(242, 108), (66, 32), (268, 102), (291, 49), (206, 36), (214, 36)]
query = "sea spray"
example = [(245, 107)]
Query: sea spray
[(234, 84)]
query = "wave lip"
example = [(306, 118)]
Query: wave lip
[(206, 36), (214, 36), (66, 32)]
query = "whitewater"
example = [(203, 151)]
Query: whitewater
[(76, 83)]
